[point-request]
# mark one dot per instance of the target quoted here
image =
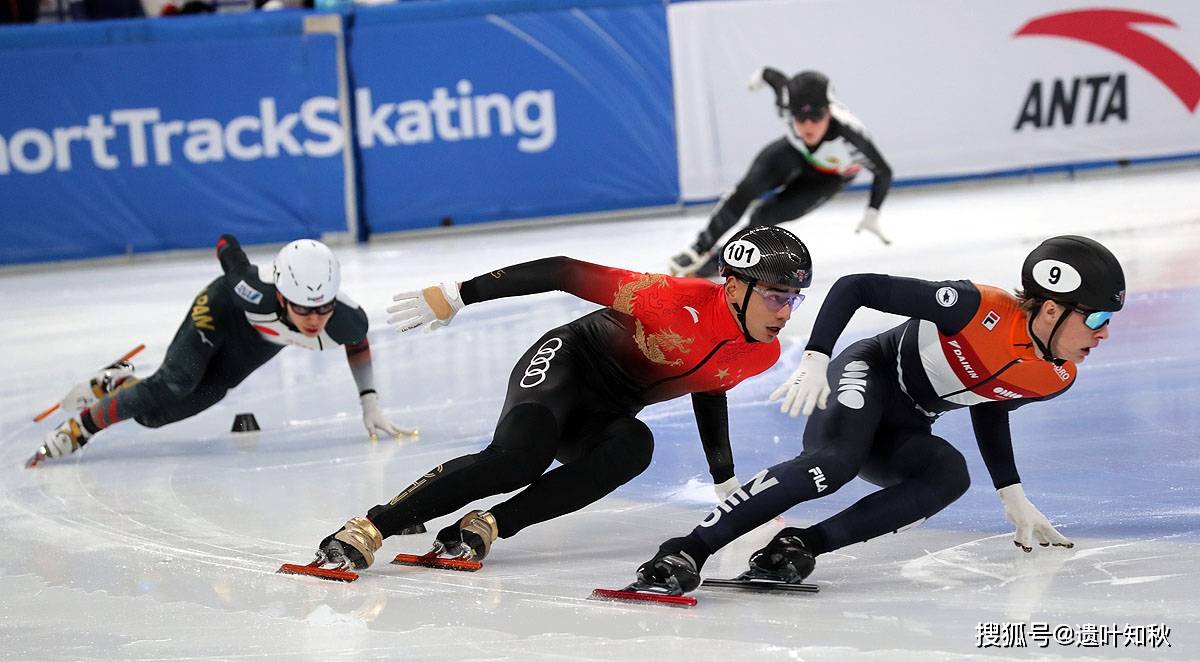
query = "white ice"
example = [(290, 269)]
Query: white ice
[(157, 544)]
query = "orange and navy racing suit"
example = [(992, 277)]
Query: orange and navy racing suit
[(965, 345)]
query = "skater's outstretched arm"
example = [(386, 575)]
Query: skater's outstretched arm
[(233, 259), (994, 436), (436, 305), (949, 304), (358, 355)]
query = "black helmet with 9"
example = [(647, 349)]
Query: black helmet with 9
[(1076, 271)]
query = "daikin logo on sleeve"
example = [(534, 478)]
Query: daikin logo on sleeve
[(145, 137)]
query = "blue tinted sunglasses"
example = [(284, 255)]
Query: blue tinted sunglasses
[(1095, 319)]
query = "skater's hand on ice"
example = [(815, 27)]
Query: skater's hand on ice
[(726, 488), (431, 307), (375, 422), (806, 388), (1030, 522), (870, 223)]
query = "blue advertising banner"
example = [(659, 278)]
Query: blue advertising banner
[(489, 110), (143, 135)]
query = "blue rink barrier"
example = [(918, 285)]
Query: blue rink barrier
[(151, 134), (486, 110)]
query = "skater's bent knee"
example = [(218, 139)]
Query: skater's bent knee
[(945, 477)]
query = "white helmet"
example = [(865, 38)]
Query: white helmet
[(307, 273)]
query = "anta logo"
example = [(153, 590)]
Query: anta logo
[(1095, 99), (760, 483), (818, 479), (962, 359)]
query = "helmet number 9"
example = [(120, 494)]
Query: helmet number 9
[(742, 253), (1056, 276)]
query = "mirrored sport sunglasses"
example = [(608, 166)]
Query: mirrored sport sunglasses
[(304, 311), (777, 299), (1095, 319)]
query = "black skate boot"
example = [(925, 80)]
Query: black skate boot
[(470, 538), (785, 559), (354, 544), (671, 569)]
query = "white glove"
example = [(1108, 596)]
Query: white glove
[(807, 387), (723, 490), (1030, 522), (870, 223), (431, 307), (756, 81), (375, 422)]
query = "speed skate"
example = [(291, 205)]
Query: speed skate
[(336, 572), (758, 580), (433, 560), (641, 592)]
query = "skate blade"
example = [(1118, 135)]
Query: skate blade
[(633, 594), (37, 459), (758, 583), (437, 562), (314, 569)]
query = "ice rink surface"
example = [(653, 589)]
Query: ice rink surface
[(162, 544)]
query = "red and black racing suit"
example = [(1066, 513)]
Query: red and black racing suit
[(575, 393), (965, 345)]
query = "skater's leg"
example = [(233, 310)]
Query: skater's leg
[(921, 474), (523, 446), (771, 168), (621, 451), (801, 196), (837, 441)]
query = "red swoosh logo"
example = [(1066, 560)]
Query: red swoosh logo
[(1113, 29)]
